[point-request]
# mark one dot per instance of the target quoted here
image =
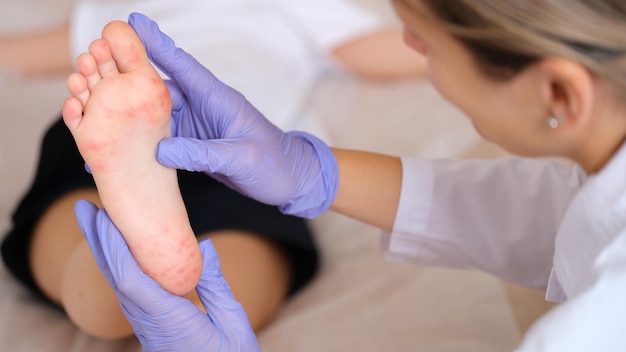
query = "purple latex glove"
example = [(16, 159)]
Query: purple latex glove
[(217, 131), (162, 321)]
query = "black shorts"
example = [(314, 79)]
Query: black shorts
[(210, 205)]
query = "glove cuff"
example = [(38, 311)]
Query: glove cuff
[(316, 201)]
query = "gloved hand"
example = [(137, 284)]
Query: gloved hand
[(217, 131), (162, 321)]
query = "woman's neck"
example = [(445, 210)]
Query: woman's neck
[(601, 145)]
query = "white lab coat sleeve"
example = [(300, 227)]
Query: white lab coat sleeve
[(592, 320), (500, 216)]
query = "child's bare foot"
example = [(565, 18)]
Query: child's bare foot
[(118, 111)]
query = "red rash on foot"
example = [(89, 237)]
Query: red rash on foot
[(95, 146)]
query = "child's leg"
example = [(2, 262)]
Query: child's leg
[(67, 273), (119, 111), (256, 269), (22, 53)]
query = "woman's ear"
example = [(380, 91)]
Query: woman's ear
[(568, 90)]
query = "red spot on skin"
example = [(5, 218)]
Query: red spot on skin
[(166, 272), (164, 99), (175, 264), (95, 145), (130, 113), (107, 111), (132, 58), (156, 80)]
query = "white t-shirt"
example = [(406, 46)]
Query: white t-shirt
[(272, 51)]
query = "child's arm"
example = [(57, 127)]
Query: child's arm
[(41, 52), (381, 55)]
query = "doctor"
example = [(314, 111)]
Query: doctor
[(537, 77)]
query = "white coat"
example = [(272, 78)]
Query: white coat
[(538, 223)]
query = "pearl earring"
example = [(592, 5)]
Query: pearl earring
[(553, 122)]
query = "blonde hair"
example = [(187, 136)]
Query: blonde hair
[(507, 35)]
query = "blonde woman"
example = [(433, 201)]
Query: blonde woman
[(538, 78)]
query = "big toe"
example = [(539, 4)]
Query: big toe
[(127, 48)]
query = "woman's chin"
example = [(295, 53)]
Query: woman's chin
[(480, 133)]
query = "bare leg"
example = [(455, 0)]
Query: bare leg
[(119, 111), (65, 270), (22, 53), (67, 273), (256, 269)]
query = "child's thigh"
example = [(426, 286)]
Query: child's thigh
[(257, 270), (55, 236)]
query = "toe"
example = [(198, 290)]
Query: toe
[(88, 67), (72, 113), (127, 48), (101, 52), (77, 85)]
